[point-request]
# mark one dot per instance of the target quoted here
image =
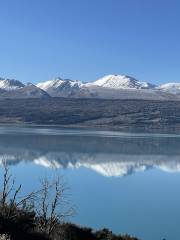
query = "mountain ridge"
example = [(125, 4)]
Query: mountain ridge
[(110, 87)]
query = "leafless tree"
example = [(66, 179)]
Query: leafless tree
[(10, 198), (8, 185), (50, 203), (7, 191), (53, 205)]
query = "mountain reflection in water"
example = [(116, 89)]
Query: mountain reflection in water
[(111, 156)]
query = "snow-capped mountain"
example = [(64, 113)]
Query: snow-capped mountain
[(10, 84), (27, 91), (173, 88), (31, 91), (108, 87), (122, 82), (58, 82), (111, 86), (110, 81), (61, 87)]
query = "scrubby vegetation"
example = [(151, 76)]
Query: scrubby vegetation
[(41, 215), (98, 113)]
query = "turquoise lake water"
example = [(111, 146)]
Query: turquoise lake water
[(128, 182)]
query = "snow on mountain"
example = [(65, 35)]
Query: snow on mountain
[(173, 88), (122, 82), (111, 86), (58, 82), (108, 87), (10, 84), (27, 91), (60, 87), (32, 91)]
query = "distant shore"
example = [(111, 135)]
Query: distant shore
[(97, 114)]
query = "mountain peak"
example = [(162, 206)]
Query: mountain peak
[(10, 84), (30, 84), (60, 87), (122, 81), (172, 87), (58, 79)]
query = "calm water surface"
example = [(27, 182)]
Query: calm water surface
[(127, 182)]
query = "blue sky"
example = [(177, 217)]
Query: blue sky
[(86, 39)]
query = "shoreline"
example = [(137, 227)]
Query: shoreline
[(127, 129)]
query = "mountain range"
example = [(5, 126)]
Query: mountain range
[(108, 87)]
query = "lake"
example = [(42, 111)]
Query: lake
[(128, 182)]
